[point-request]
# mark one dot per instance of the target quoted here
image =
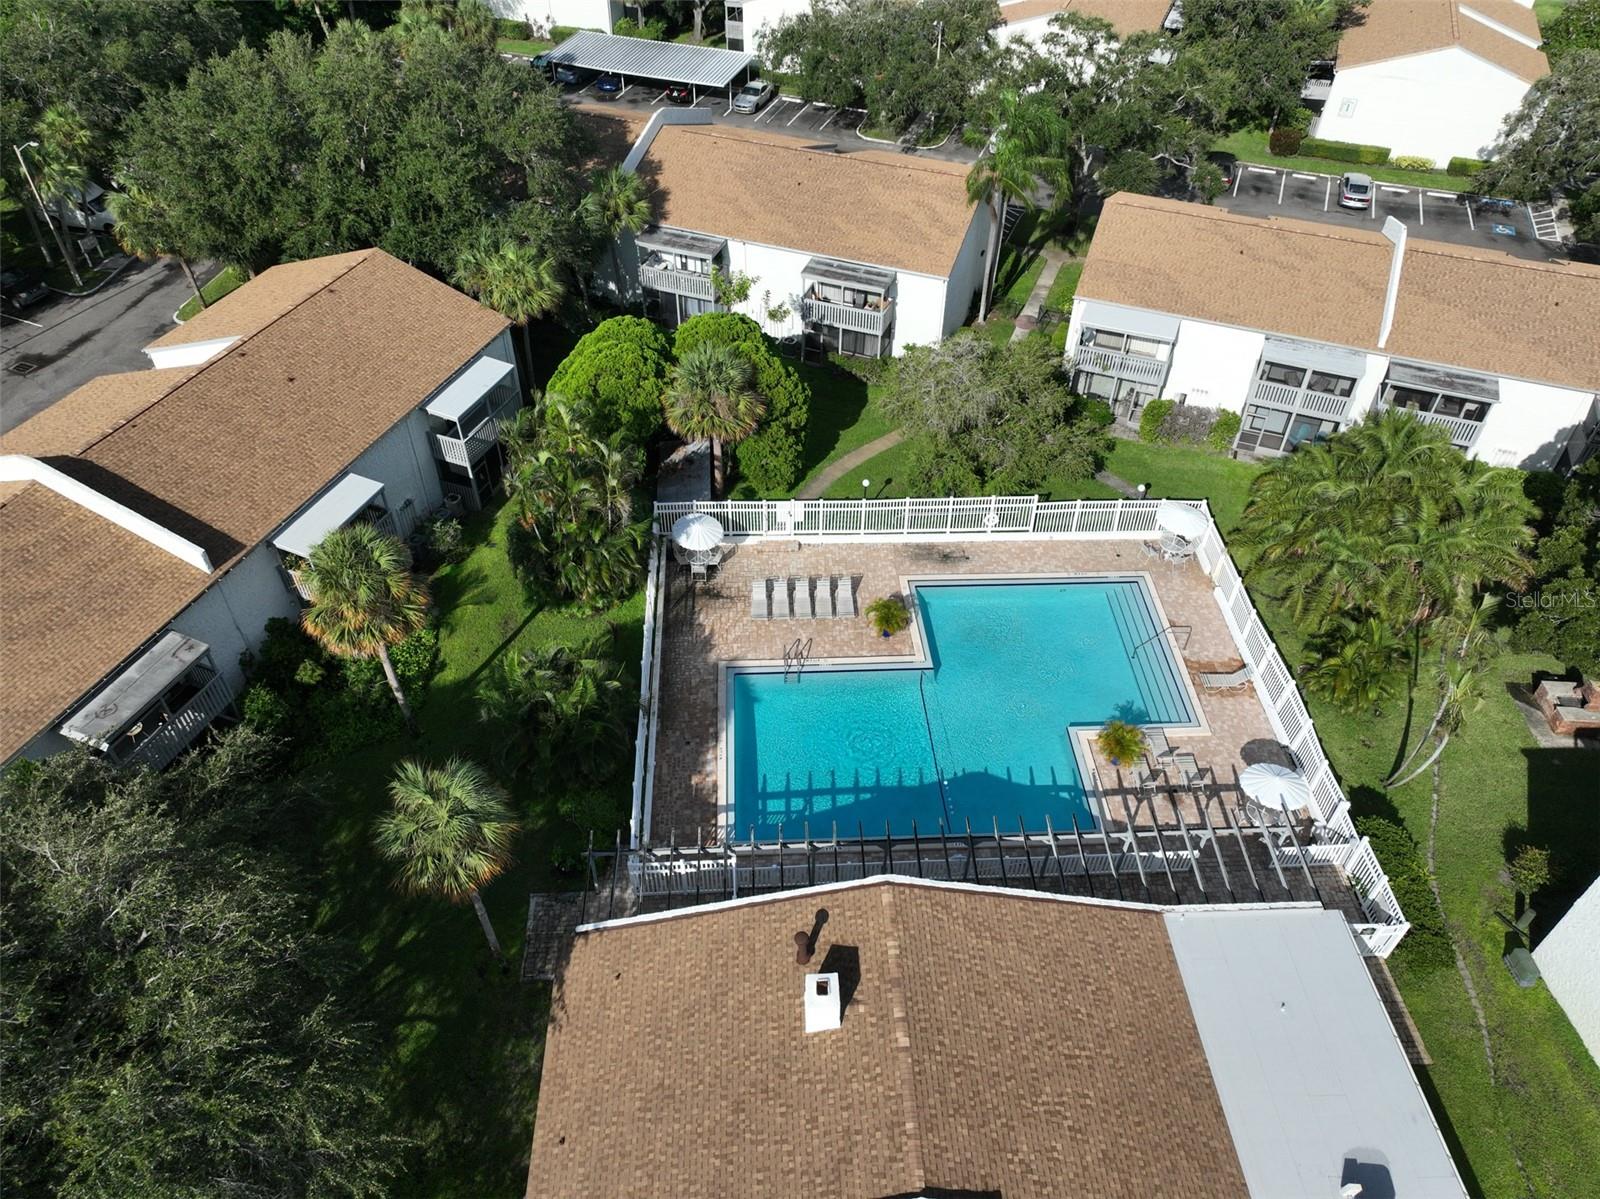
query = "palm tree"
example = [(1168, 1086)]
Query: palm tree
[(616, 204), (1359, 666), (450, 828), (558, 702), (63, 176), (710, 396), (142, 229), (512, 278), (1023, 154), (364, 599)]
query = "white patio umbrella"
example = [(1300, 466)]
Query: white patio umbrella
[(1274, 786), (1188, 523), (698, 538)]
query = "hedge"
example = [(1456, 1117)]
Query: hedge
[(1152, 418), (1316, 147), (1411, 162), (1428, 942), (1465, 167), (1286, 143)]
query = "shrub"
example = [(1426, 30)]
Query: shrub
[(1428, 942), (868, 370), (770, 460), (441, 540), (616, 374), (1530, 869), (416, 659), (1464, 167), (1153, 417), (1412, 162), (888, 614), (285, 653), (1318, 147), (515, 29), (1121, 741), (1098, 412), (560, 33), (1298, 118), (1223, 432), (1187, 424), (266, 711), (654, 29), (1286, 143)]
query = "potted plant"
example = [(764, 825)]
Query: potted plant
[(1121, 742), (889, 615)]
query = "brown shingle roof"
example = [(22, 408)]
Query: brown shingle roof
[(869, 207), (246, 310), (1458, 306), (223, 458), (83, 417), (995, 1043), (1126, 16), (1398, 28)]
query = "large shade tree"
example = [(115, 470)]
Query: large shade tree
[(712, 396), (449, 829), (364, 598), (145, 230)]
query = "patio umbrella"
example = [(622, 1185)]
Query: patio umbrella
[(1188, 523), (1275, 786), (697, 532)]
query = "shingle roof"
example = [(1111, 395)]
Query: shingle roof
[(994, 1043), (1126, 16), (869, 207), (1397, 28), (1458, 306), (334, 353)]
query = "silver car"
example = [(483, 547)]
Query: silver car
[(754, 96), (1355, 190)]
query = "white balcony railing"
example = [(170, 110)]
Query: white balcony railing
[(464, 451), (847, 316), (1135, 367), (1315, 402), (1462, 432), (682, 283), (175, 734)]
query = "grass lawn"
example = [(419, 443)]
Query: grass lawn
[(1548, 10), (219, 285), (515, 45), (1251, 145), (465, 1034), (1066, 284)]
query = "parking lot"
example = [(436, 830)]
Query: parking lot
[(1506, 225)]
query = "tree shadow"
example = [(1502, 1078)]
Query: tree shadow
[(838, 399), (1563, 819)]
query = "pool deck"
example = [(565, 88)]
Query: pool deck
[(707, 625)]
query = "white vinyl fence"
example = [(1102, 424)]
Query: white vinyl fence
[(1029, 518)]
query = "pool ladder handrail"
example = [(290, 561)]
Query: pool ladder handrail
[(1185, 629), (795, 657)]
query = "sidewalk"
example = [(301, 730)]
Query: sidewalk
[(843, 466), (1028, 318)]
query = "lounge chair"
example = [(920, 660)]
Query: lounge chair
[(780, 599), (1156, 739), (825, 608), (845, 595), (1189, 770), (758, 600), (1144, 778), (1232, 680), (802, 598)]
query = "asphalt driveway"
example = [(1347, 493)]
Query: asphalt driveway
[(1509, 226), (62, 343)]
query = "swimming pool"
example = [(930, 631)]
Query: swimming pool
[(976, 732)]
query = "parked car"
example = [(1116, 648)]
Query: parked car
[(87, 210), (679, 93), (541, 63), (608, 85), (1226, 163), (572, 76), (1355, 190), (19, 290), (754, 96)]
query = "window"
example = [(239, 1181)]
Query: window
[(1406, 397), (1330, 385), (1145, 347), (1289, 376), (734, 15), (1462, 409), (734, 43), (1266, 420), (1103, 340), (1086, 383)]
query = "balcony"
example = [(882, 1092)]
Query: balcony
[(468, 449), (873, 319), (1463, 433), (1298, 399), (656, 274), (1134, 367)]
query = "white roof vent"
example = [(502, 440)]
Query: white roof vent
[(822, 1002)]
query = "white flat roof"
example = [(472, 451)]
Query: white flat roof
[(640, 58), (128, 694), (1315, 1086), (467, 388), (332, 510)]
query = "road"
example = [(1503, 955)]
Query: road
[(1508, 226), (82, 338)]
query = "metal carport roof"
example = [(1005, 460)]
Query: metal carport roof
[(673, 62)]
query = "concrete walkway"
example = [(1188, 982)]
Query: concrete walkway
[(1028, 318), (843, 466)]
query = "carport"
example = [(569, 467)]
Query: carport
[(701, 67)]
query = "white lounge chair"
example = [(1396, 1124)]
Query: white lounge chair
[(758, 600), (845, 595), (1189, 770), (802, 598), (1156, 738), (780, 599), (825, 603), (1232, 680)]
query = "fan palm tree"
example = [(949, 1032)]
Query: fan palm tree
[(616, 204), (1023, 154), (512, 278), (558, 702), (1360, 665), (364, 599), (142, 229), (711, 396), (450, 830), (63, 176)]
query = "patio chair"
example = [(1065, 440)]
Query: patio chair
[(758, 600), (1232, 680), (1152, 550), (698, 572), (1145, 778), (802, 598), (780, 599), (1189, 770), (1156, 738), (846, 595), (825, 603)]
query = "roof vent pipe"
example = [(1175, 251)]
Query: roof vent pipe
[(19, 468), (822, 1002), (1395, 231)]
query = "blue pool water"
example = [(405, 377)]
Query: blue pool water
[(980, 735)]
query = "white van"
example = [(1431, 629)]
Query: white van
[(90, 211)]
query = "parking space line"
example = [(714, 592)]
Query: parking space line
[(1237, 175), (1471, 224), (1421, 220), (798, 114), (1327, 194), (1262, 170), (1397, 191), (1283, 182), (660, 98), (1443, 195), (1302, 175), (625, 91), (829, 121)]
